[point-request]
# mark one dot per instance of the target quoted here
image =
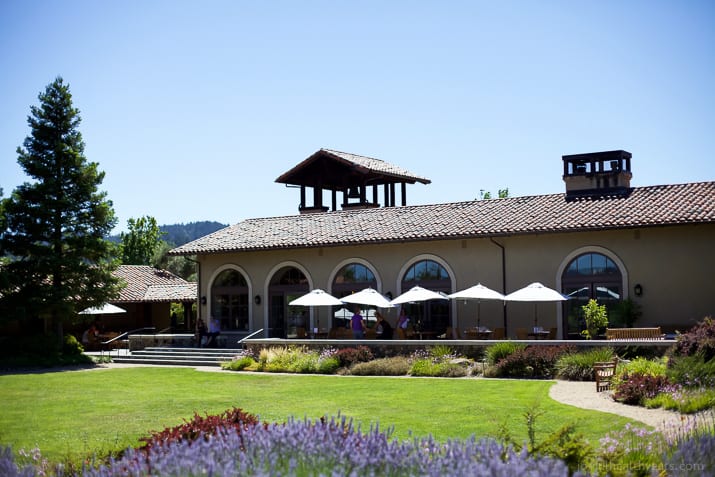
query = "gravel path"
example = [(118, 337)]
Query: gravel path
[(583, 394)]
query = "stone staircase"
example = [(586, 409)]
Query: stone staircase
[(178, 356)]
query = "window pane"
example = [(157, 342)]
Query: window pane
[(583, 264)]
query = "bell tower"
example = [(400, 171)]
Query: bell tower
[(358, 179), (597, 173)]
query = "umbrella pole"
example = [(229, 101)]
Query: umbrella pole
[(478, 314), (536, 314)]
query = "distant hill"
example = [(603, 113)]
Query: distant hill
[(179, 234)]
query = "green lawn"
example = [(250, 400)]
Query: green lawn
[(71, 414)]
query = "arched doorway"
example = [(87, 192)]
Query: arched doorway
[(351, 278), (433, 315), (286, 285), (229, 300), (589, 275)]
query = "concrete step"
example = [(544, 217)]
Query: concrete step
[(179, 356)]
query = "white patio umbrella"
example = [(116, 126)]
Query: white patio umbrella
[(345, 314), (478, 292), (316, 297), (106, 309), (535, 292), (417, 293), (368, 296)]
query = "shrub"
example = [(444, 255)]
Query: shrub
[(199, 426), (444, 369), (239, 363), (691, 371), (394, 366), (71, 347), (350, 356), (642, 366), (636, 388), (501, 350), (442, 352), (699, 340), (683, 400), (297, 359), (531, 362), (579, 366)]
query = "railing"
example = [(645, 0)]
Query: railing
[(123, 336), (249, 336)]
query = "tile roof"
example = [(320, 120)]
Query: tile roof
[(148, 284), (367, 164), (643, 207), (377, 165)]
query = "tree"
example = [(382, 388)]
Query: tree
[(140, 245), (184, 267), (55, 227), (486, 195), (596, 318)]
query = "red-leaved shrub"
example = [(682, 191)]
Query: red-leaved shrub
[(699, 340), (635, 388), (350, 356), (233, 418), (531, 362)]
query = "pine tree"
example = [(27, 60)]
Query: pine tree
[(55, 226)]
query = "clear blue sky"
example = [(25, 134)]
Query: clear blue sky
[(193, 109)]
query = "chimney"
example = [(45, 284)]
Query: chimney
[(597, 173)]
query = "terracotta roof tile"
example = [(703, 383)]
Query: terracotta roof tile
[(642, 207), (148, 284)]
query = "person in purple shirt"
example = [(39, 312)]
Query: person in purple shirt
[(357, 324)]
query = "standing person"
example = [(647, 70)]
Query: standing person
[(357, 324), (201, 331), (383, 329), (214, 331), (403, 321)]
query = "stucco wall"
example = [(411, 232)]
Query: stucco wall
[(673, 264)]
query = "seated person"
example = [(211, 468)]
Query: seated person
[(90, 335), (383, 328)]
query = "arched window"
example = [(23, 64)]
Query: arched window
[(286, 285), (352, 278), (590, 275), (229, 300), (433, 315)]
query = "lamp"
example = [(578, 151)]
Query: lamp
[(203, 300), (257, 299), (638, 289), (353, 193)]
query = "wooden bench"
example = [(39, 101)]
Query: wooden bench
[(603, 372), (634, 334)]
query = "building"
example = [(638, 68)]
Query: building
[(600, 238), (147, 298)]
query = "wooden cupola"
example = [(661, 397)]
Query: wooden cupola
[(357, 178), (597, 173)]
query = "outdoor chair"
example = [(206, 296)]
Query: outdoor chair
[(498, 334), (603, 373), (522, 334)]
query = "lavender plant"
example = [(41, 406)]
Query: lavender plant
[(329, 447)]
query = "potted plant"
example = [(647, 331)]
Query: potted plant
[(595, 317)]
